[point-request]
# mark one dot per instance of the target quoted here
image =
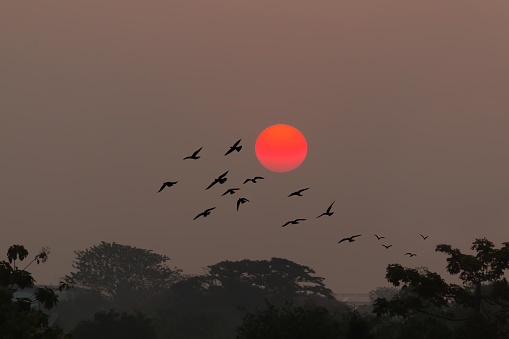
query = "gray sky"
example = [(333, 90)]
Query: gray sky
[(404, 106)]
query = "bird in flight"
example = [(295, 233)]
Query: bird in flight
[(378, 238), (204, 213), (221, 179), (230, 191), (293, 222), (424, 237), (235, 147), (386, 246), (298, 193), (253, 180), (328, 212), (194, 155), (350, 239), (167, 184), (241, 201), (411, 254)]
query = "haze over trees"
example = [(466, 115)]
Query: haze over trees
[(126, 274), (252, 299)]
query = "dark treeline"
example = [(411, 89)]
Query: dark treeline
[(119, 291)]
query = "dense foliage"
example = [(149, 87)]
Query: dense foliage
[(18, 319), (128, 275), (480, 305)]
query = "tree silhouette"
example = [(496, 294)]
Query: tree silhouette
[(277, 277), (215, 296), (18, 319), (128, 275), (427, 293)]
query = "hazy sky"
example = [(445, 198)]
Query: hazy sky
[(404, 105)]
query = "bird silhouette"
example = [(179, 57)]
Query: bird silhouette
[(167, 184), (411, 254), (241, 201), (221, 179), (424, 237), (298, 193), (253, 180), (235, 147), (350, 239), (194, 155), (204, 213), (328, 212), (386, 246), (293, 222), (230, 191), (378, 238)]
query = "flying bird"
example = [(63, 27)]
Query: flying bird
[(293, 222), (230, 191), (411, 254), (350, 239), (167, 184), (298, 193), (241, 201), (424, 237), (221, 179), (194, 155), (253, 180), (386, 246), (235, 147), (204, 213), (328, 212), (378, 238)]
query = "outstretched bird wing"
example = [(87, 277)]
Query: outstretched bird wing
[(258, 178), (196, 152), (198, 216), (193, 156), (208, 210), (355, 236), (223, 175), (212, 184), (162, 187), (247, 180), (344, 239), (330, 207)]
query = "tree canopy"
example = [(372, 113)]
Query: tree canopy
[(18, 319), (276, 277), (122, 272), (484, 294)]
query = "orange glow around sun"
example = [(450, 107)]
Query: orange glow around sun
[(281, 148)]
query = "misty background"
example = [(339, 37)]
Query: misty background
[(404, 107)]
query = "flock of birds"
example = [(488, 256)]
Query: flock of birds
[(222, 179)]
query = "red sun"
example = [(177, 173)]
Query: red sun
[(281, 148)]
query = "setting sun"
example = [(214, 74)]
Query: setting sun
[(281, 148)]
